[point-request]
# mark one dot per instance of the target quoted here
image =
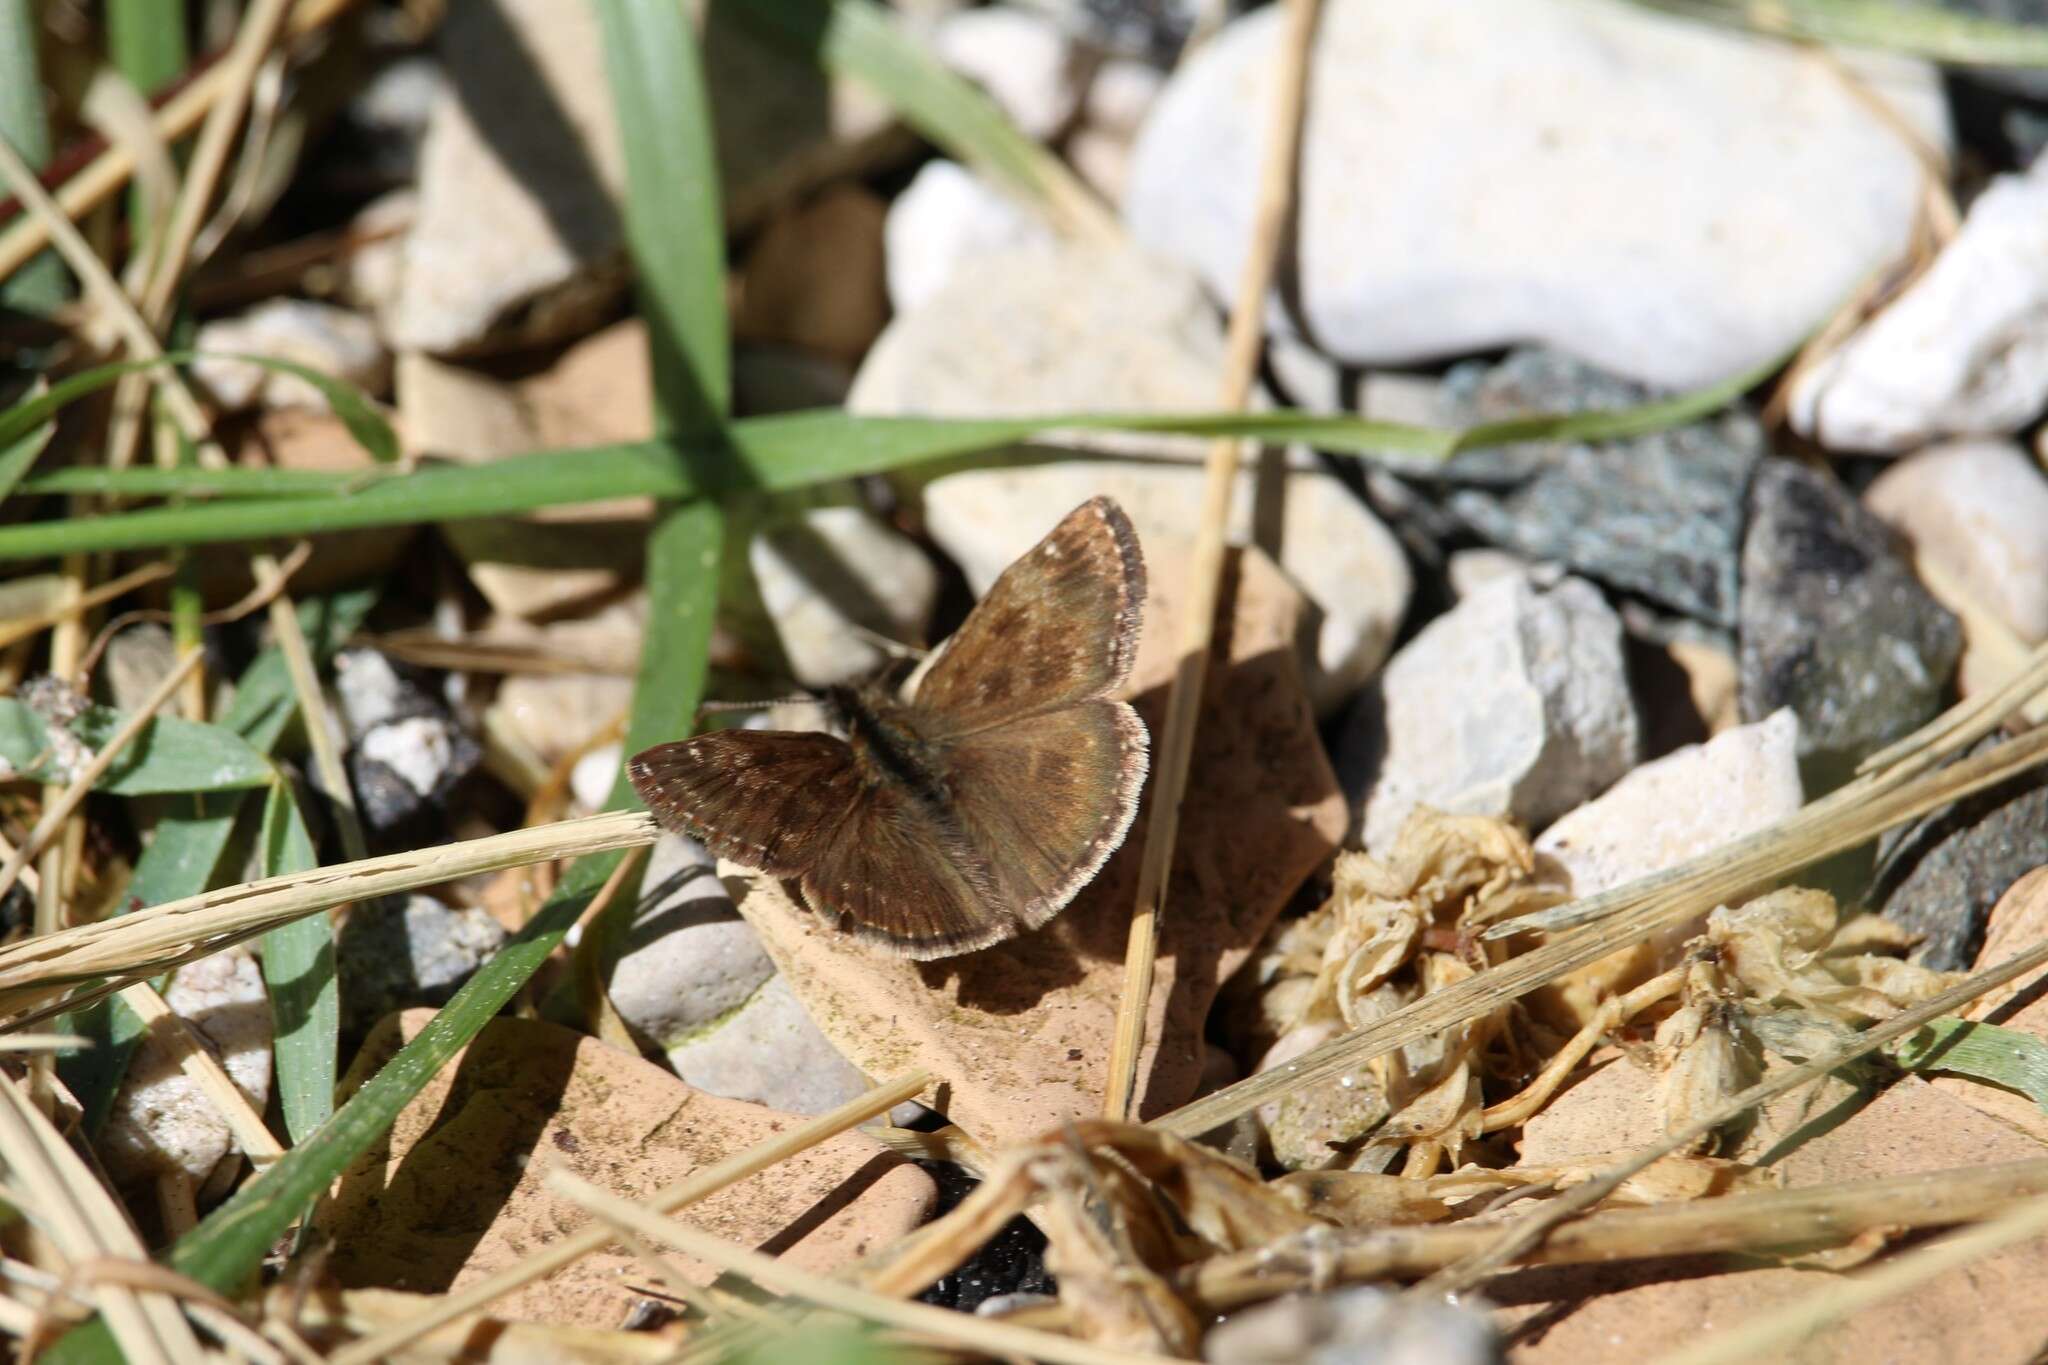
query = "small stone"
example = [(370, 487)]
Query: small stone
[(1023, 59), (1964, 351), (337, 343), (137, 660), (1682, 805), (1515, 702), (768, 1051), (371, 276), (815, 278), (832, 573), (1120, 95), (1363, 1326), (1941, 875), (407, 751), (1659, 515), (394, 954), (1467, 571), (456, 1191), (1834, 624), (1328, 541), (161, 1122), (1979, 509), (556, 713), (945, 223), (600, 389), (389, 117), (1674, 202), (595, 774), (686, 960)]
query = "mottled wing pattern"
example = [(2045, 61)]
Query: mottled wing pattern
[(767, 798), (1059, 627), (1048, 799), (796, 804), (897, 876)]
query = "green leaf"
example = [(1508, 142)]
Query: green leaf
[(1982, 1052), (1930, 31), (184, 853), (357, 413), (18, 457), (170, 756), (861, 39), (298, 967)]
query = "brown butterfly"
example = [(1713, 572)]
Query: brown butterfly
[(974, 810)]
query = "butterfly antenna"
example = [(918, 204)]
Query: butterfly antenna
[(895, 649), (716, 708)]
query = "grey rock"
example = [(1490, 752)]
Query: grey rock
[(686, 960), (1940, 875), (137, 661), (394, 954), (1515, 702), (833, 578), (770, 1052), (406, 750), (1834, 624), (1658, 515), (1365, 1326)]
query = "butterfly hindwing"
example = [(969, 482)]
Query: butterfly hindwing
[(1048, 799), (1059, 626)]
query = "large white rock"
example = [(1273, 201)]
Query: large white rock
[(1963, 351), (943, 222), (1671, 201), (1979, 509), (1024, 60), (1328, 541), (1514, 702)]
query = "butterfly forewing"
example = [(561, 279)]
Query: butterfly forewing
[(1059, 626), (771, 799)]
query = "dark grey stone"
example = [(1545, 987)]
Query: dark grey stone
[(407, 751), (411, 950), (1658, 515), (1940, 875), (1834, 624)]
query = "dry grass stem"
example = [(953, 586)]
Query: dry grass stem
[(104, 176), (73, 794), (960, 1330), (699, 1185), (1768, 1336), (197, 1061), (1821, 1215), (37, 971), (27, 626), (1197, 621), (1631, 912), (1531, 1231), (79, 1217)]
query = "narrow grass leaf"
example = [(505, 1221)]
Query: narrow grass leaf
[(1981, 1052), (19, 456), (298, 967), (1936, 33)]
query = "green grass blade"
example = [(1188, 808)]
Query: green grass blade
[(860, 39), (40, 285), (147, 43), (782, 452), (357, 413), (1997, 1056), (1938, 34), (298, 967), (19, 456)]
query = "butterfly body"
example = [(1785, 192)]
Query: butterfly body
[(973, 809)]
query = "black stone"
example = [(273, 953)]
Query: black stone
[(1834, 624), (1658, 515), (1940, 875), (1011, 1262)]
